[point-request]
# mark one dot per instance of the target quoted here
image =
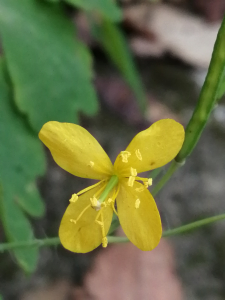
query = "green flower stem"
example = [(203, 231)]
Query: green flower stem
[(206, 102), (193, 225), (111, 239), (32, 243), (208, 96)]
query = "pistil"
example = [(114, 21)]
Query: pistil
[(110, 185)]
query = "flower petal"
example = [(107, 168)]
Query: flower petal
[(153, 147), (86, 234), (142, 225), (75, 150)]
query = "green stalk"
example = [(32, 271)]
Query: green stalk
[(208, 97), (111, 239), (32, 243), (207, 100)]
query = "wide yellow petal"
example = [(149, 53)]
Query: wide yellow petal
[(86, 234), (142, 225), (75, 150), (153, 147)]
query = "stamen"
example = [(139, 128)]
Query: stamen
[(110, 200), (95, 203), (91, 164), (80, 215), (137, 203), (73, 221), (117, 192), (147, 181), (99, 223), (104, 242), (107, 202), (125, 155), (146, 184), (100, 190), (113, 207), (74, 198), (140, 189), (131, 181), (138, 154), (133, 172), (90, 187)]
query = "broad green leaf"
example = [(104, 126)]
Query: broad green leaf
[(21, 161), (49, 67), (107, 8), (116, 47)]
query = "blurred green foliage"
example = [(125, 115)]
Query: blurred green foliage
[(114, 44), (21, 160), (46, 74)]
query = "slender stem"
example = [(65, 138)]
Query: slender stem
[(206, 102), (193, 225), (111, 239), (32, 243), (208, 96)]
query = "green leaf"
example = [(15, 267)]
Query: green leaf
[(21, 161), (107, 8), (115, 45), (49, 67)]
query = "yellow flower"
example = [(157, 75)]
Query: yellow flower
[(88, 217)]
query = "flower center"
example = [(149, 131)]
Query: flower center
[(110, 185), (99, 201)]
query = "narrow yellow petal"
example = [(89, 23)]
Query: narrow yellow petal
[(153, 147), (75, 150), (139, 216), (85, 234)]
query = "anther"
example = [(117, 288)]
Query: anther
[(131, 181), (138, 154), (133, 172), (146, 184), (104, 242), (73, 198), (125, 155), (73, 221), (91, 164), (140, 189), (150, 181), (95, 203), (110, 200), (137, 203)]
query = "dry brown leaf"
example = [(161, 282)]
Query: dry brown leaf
[(184, 35)]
